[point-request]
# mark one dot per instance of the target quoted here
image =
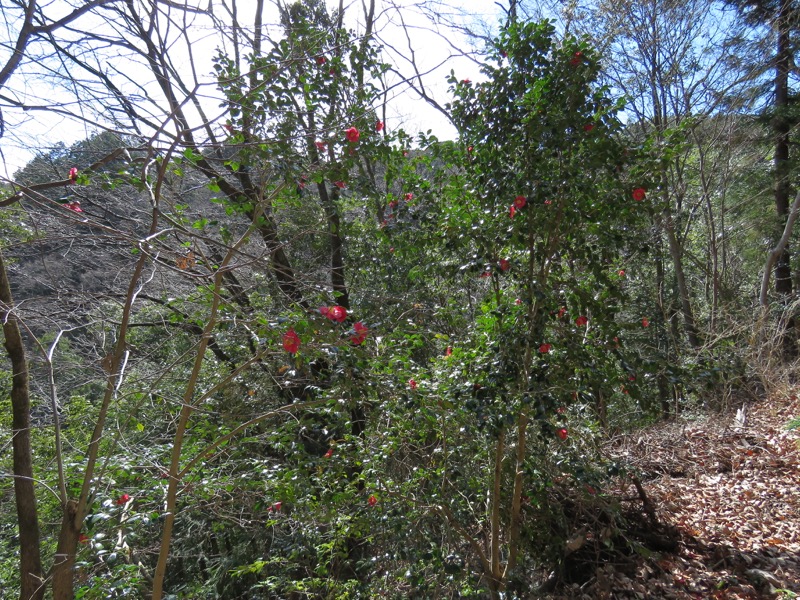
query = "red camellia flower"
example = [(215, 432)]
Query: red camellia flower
[(505, 265), (83, 538), (361, 334), (340, 184), (74, 206), (448, 351), (581, 321), (352, 135), (639, 194), (466, 81), (321, 146), (379, 126), (372, 500), (408, 196), (645, 322), (561, 312), (486, 274), (576, 59), (470, 149), (291, 341), (621, 273), (412, 384), (588, 127), (277, 506), (545, 348), (123, 499), (321, 60), (520, 201), (562, 433), (73, 175), (337, 313), (548, 202), (329, 453), (512, 211)]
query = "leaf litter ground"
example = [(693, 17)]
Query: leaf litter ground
[(721, 512)]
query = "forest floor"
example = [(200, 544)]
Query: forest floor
[(728, 499)]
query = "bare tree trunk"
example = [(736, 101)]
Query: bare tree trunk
[(30, 561), (778, 251), (676, 253), (782, 127)]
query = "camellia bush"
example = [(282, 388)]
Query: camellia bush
[(531, 225)]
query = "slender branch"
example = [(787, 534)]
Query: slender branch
[(496, 499), (516, 501), (187, 409), (62, 484)]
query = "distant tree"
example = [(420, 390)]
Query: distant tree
[(779, 20)]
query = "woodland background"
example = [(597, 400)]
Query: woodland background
[(264, 341)]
